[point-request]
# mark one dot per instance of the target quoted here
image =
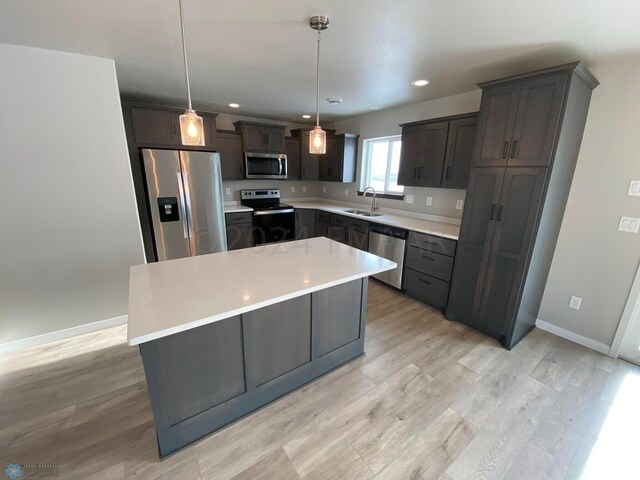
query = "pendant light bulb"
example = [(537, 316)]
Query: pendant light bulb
[(191, 125), (317, 136)]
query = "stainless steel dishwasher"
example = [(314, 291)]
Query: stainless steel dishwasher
[(388, 242)]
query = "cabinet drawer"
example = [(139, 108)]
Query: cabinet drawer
[(432, 243), (238, 217), (350, 223), (426, 288), (431, 263), (323, 216)]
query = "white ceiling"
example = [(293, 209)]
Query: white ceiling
[(261, 54)]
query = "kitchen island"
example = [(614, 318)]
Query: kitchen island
[(221, 335)]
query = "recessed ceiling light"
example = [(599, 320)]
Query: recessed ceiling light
[(420, 83), (376, 107), (306, 116), (234, 105)]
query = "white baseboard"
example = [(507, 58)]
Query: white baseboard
[(62, 334), (573, 337)]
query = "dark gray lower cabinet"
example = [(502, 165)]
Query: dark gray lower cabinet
[(239, 230), (428, 267), (305, 223), (350, 231), (203, 379)]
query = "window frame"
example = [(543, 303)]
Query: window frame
[(368, 144)]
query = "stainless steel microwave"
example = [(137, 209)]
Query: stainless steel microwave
[(265, 165)]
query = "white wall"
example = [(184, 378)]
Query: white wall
[(387, 122), (592, 259), (69, 224)]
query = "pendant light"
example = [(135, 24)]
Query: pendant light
[(318, 137), (191, 127)]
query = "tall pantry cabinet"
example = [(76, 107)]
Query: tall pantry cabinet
[(527, 142)]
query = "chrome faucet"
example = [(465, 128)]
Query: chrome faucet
[(374, 207)]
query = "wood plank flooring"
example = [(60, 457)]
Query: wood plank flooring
[(431, 399)]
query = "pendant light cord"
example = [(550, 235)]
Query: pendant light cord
[(184, 54), (317, 81)]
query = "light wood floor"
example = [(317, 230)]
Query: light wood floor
[(430, 400)]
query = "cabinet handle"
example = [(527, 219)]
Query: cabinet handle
[(265, 139), (428, 258), (514, 149), (415, 169), (424, 281), (505, 149), (329, 172), (419, 172), (446, 175), (500, 213), (493, 211)]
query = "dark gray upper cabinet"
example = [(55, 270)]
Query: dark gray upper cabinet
[(293, 158), (460, 142), (231, 156), (339, 163), (262, 137), (537, 121), (529, 133), (437, 153), (520, 121), (495, 124), (160, 126)]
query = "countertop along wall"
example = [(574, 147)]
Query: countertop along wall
[(70, 229)]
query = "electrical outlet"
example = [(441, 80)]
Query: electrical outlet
[(409, 199), (227, 191), (574, 302), (346, 192), (429, 201), (324, 189), (293, 189), (459, 204), (304, 189), (634, 188), (629, 224)]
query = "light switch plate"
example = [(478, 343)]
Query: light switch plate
[(293, 189), (304, 189), (324, 189), (429, 201), (629, 224), (459, 204), (634, 188), (574, 302), (227, 191), (346, 192), (409, 199)]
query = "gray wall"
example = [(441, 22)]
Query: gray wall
[(386, 122), (69, 224), (592, 259)]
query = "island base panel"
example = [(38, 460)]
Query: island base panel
[(203, 379)]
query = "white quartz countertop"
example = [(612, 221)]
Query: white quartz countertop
[(237, 208), (439, 229), (177, 295)]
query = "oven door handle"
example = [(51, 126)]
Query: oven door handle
[(273, 212)]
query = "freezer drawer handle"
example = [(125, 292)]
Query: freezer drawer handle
[(185, 228)]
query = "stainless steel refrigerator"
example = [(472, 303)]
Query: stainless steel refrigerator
[(187, 207)]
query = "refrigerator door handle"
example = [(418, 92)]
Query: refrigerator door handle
[(187, 198), (183, 212)]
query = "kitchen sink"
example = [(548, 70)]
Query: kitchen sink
[(364, 213)]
